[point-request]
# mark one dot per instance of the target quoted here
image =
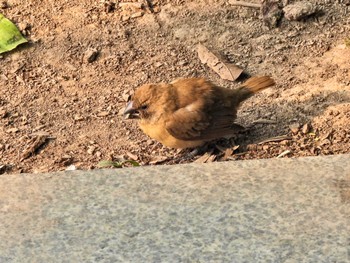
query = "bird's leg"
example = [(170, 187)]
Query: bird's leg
[(189, 154)]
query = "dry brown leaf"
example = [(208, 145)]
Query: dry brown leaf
[(225, 70), (211, 158), (204, 158), (132, 156), (158, 160), (35, 144)]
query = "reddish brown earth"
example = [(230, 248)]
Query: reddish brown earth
[(58, 109)]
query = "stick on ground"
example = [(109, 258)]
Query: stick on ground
[(243, 3)]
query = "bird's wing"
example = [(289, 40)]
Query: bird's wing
[(194, 123)]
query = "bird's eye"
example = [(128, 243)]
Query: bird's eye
[(143, 107)]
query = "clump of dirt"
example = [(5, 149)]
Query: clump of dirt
[(62, 95)]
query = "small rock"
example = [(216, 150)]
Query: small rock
[(265, 147), (285, 2), (78, 118), (285, 142), (150, 142), (22, 26), (306, 128), (158, 64), (71, 168), (300, 10), (324, 142), (271, 12), (294, 128), (125, 18), (182, 63), (137, 14), (3, 114), (156, 9), (91, 55), (4, 5), (12, 130), (131, 5), (91, 150), (109, 7), (103, 114)]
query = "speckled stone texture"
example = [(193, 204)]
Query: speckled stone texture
[(290, 210)]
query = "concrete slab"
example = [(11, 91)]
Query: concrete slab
[(290, 210)]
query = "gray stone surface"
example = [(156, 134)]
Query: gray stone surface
[(290, 210)]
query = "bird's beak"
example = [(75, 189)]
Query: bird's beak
[(129, 109)]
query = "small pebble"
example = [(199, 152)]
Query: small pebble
[(4, 5), (91, 55), (137, 14), (305, 129), (294, 128), (300, 10), (91, 150)]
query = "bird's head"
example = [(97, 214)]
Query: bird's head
[(146, 101)]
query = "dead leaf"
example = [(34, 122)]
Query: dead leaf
[(203, 158), (132, 156), (158, 160), (225, 70), (36, 143), (229, 152), (208, 157), (211, 158)]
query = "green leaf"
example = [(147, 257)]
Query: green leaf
[(133, 163), (105, 164), (10, 37)]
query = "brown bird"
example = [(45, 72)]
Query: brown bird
[(190, 112)]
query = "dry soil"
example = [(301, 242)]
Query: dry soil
[(62, 95)]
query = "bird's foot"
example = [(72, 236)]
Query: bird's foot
[(188, 154)]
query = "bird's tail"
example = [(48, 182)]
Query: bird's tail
[(254, 85)]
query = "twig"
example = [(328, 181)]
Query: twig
[(276, 139), (242, 3), (284, 153), (131, 4), (264, 121)]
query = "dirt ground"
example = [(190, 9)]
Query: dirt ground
[(62, 95)]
